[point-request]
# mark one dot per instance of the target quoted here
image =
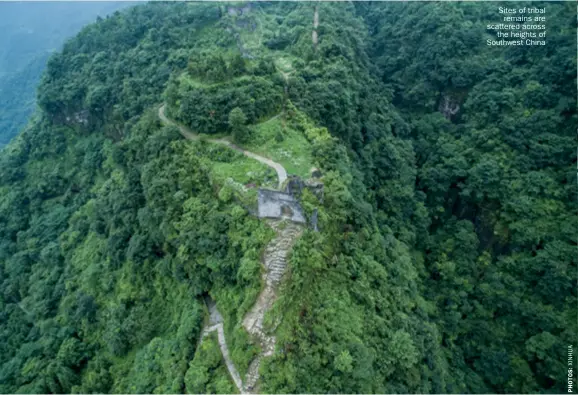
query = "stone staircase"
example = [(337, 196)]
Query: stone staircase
[(250, 384), (275, 257), (275, 262)]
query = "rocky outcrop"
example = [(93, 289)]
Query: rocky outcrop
[(448, 106), (237, 11), (78, 118)]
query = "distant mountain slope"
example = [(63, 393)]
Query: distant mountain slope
[(29, 33)]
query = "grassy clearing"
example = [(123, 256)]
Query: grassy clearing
[(244, 171), (228, 163), (293, 152)]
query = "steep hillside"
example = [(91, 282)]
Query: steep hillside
[(435, 258), (493, 131), (30, 33)]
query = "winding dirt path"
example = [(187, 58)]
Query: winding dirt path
[(275, 263), (216, 324), (190, 135)]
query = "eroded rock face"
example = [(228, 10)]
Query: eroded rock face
[(295, 186), (448, 106), (236, 11), (79, 118)]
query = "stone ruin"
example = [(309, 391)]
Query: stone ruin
[(278, 204), (285, 203)]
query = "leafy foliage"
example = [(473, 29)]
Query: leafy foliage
[(30, 33), (237, 121), (444, 261)]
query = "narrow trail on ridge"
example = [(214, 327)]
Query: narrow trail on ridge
[(274, 261), (216, 324), (190, 135)]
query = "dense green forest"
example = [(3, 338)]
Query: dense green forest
[(31, 31), (445, 260)]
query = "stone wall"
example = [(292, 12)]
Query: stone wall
[(277, 204), (295, 185)]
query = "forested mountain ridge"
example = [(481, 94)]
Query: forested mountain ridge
[(31, 31), (444, 261)]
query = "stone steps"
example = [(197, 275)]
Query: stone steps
[(275, 260), (252, 375)]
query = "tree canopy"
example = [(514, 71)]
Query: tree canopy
[(445, 257)]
